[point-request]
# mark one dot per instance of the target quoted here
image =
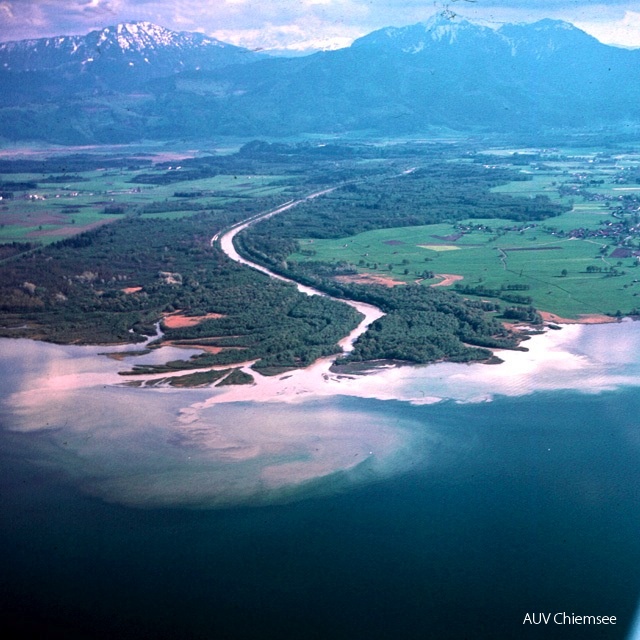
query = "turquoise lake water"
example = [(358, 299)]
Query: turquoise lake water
[(460, 519)]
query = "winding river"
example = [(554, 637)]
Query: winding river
[(390, 498), (225, 240)]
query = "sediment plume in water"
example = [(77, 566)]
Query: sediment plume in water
[(286, 437)]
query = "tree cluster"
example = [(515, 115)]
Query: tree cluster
[(114, 283)]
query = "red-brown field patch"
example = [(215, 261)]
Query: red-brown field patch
[(447, 279), (178, 320), (70, 230), (33, 219), (370, 278)]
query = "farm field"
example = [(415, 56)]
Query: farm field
[(43, 208), (576, 263), (513, 258), (581, 262)]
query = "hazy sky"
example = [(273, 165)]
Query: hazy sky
[(305, 24)]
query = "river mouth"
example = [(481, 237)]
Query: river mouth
[(267, 442), (388, 498)]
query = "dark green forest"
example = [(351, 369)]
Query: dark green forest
[(422, 324), (435, 193), (114, 283), (74, 292)]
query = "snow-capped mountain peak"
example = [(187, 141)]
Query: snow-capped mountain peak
[(437, 30), (123, 47)]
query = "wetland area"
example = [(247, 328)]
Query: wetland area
[(433, 495)]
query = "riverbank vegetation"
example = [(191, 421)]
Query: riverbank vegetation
[(421, 324), (99, 247), (217, 377), (565, 238), (114, 283)]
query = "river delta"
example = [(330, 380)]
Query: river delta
[(390, 498)]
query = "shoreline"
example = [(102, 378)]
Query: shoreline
[(321, 378), (333, 420), (416, 384)]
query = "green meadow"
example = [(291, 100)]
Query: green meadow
[(564, 275), (554, 270), (74, 203), (568, 276)]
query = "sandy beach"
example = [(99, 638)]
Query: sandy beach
[(578, 357)]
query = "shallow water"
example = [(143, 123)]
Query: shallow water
[(344, 508)]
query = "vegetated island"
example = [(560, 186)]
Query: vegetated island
[(154, 260)]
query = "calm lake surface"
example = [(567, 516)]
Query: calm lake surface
[(139, 513)]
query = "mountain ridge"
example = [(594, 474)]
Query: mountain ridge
[(441, 73), (160, 50)]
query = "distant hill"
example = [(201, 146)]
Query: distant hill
[(142, 81)]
